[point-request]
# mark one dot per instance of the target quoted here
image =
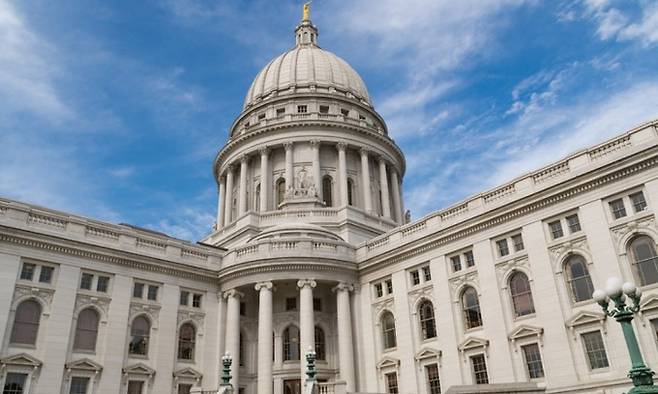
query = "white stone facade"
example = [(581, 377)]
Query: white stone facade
[(311, 249)]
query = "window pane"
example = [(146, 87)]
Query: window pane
[(518, 242), (46, 274), (579, 280), (15, 383), (184, 388), (389, 286), (196, 300), (379, 290), (392, 383), (184, 298), (388, 330), (79, 385), (85, 281), (521, 294), (27, 272), (574, 223), (456, 263), (415, 278), (153, 293), (138, 290), (639, 203), (317, 304), (595, 350), (433, 381), (140, 332), (102, 284), (291, 303), (470, 260), (86, 330), (479, 366), (320, 347), (471, 308), (503, 250), (135, 387), (427, 274), (326, 190), (533, 361), (291, 343), (427, 323), (186, 342), (645, 260), (617, 208), (26, 323), (556, 229)]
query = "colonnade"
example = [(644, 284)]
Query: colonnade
[(390, 209), (306, 330)]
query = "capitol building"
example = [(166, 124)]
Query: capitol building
[(313, 248)]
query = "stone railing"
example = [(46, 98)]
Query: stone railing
[(114, 236), (296, 246), (245, 127), (584, 160)]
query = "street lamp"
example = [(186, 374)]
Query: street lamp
[(226, 371), (640, 374)]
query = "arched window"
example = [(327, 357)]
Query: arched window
[(186, 341), (280, 191), (521, 294), (291, 343), (426, 315), (257, 199), (580, 283), (645, 261), (471, 308), (26, 323), (86, 330), (388, 330), (326, 190), (140, 332), (350, 191), (320, 346)]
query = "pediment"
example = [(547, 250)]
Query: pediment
[(427, 353), (388, 362), (188, 372), (473, 343), (84, 364), (524, 331), (649, 303), (139, 369), (585, 317), (22, 359)]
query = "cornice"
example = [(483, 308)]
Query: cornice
[(468, 228), (54, 244), (284, 265)]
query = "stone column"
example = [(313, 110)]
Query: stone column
[(221, 196), (290, 175), (383, 184), (345, 344), (306, 322), (342, 173), (242, 193), (229, 195), (232, 343), (365, 180), (397, 204), (265, 173), (264, 290), (317, 177)]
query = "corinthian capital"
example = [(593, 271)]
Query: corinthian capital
[(341, 146), (264, 150), (364, 151), (306, 282), (264, 285), (287, 145)]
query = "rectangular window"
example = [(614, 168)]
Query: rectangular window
[(379, 291), (27, 272), (324, 109), (517, 240), (152, 293), (639, 203), (389, 286), (574, 223), (79, 385), (479, 366), (595, 350), (427, 274), (470, 260), (617, 208), (291, 304), (415, 277), (196, 301), (15, 383), (138, 290), (103, 284), (533, 361), (503, 249), (345, 112), (135, 387), (392, 383), (317, 304), (184, 298), (46, 274), (280, 112), (556, 229), (184, 388), (86, 280), (456, 263), (433, 382), (302, 109)]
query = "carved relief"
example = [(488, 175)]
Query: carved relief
[(560, 251), (43, 295), (456, 283), (152, 310), (417, 295), (622, 233), (102, 303), (504, 268), (195, 317)]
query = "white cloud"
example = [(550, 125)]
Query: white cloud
[(615, 23)]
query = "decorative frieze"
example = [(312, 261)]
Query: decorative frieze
[(150, 244), (413, 228), (551, 173), (50, 222), (454, 212), (457, 282), (560, 251), (623, 232), (613, 147), (499, 194), (101, 303), (189, 254), (195, 316), (503, 268), (151, 310), (43, 295), (96, 232)]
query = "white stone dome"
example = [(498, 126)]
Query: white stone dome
[(307, 68)]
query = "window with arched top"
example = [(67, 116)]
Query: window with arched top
[(522, 302), (578, 279), (280, 191), (645, 260), (86, 330), (426, 316), (257, 199), (326, 190), (186, 341), (471, 308), (320, 345), (26, 323), (388, 330), (350, 191), (140, 333), (291, 343)]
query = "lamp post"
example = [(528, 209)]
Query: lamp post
[(310, 365), (640, 374), (226, 371)]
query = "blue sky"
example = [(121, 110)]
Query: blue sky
[(115, 110)]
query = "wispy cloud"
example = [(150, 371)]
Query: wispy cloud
[(613, 22)]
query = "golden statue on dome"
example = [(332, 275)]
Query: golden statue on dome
[(306, 16)]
